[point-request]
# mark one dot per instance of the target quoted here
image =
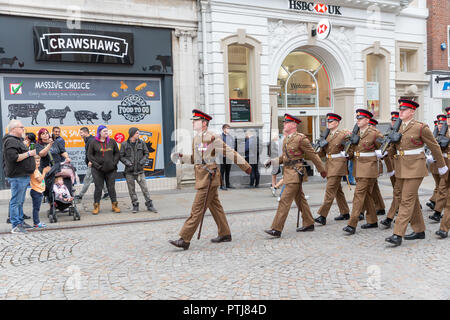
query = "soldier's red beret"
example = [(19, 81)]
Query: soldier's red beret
[(373, 122), (441, 117), (333, 117), (200, 115), (291, 118)]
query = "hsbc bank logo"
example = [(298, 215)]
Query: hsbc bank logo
[(314, 7)]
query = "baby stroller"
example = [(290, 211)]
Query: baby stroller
[(68, 173)]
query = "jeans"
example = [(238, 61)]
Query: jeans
[(140, 178), (18, 191), (88, 179), (36, 197), (100, 178)]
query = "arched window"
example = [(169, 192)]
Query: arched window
[(242, 89)]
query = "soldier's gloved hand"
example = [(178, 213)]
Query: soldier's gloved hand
[(430, 159), (323, 174), (267, 163), (175, 156), (443, 170), (344, 154), (390, 174), (248, 171), (379, 155)]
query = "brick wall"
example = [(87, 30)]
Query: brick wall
[(437, 25)]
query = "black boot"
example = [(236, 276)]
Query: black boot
[(442, 234), (180, 243), (430, 204), (321, 219), (349, 230), (135, 207), (386, 222), (150, 207), (381, 212), (345, 216), (273, 233), (226, 238), (304, 229), (414, 236), (436, 216), (369, 225), (394, 239)]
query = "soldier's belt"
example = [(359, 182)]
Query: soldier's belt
[(445, 155), (365, 154), (410, 152), (334, 156), (292, 162)]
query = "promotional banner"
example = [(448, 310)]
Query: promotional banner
[(74, 102)]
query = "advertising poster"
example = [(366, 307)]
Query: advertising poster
[(75, 102), (373, 98)]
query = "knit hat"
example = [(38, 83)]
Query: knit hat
[(132, 131)]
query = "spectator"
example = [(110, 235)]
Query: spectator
[(61, 191), (134, 154), (49, 151), (30, 140), (56, 136), (252, 156), (225, 166), (18, 164), (37, 184), (84, 133), (104, 155)]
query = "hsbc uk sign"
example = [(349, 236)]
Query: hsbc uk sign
[(315, 7)]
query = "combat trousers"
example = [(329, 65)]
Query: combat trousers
[(334, 190), (362, 199), (140, 178), (445, 222), (437, 179), (396, 200), (214, 206), (409, 210), (441, 195), (378, 200), (292, 191)]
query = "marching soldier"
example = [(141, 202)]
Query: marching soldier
[(207, 180), (396, 189), (365, 170), (441, 194), (445, 223), (376, 194), (432, 167), (410, 169), (336, 167), (295, 146)]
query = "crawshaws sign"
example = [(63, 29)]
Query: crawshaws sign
[(314, 7), (73, 45)]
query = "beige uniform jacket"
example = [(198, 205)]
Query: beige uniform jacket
[(204, 148), (297, 146), (337, 166), (415, 135), (366, 167)]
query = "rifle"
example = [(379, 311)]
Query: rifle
[(322, 141), (392, 136), (442, 137), (354, 139)]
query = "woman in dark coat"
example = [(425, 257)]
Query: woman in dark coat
[(104, 155)]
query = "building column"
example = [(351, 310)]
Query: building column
[(186, 95), (344, 105), (274, 91)]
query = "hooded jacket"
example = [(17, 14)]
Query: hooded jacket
[(12, 147)]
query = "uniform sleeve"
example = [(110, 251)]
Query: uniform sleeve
[(188, 158), (307, 148), (430, 141), (230, 154)]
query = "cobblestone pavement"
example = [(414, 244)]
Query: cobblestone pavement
[(135, 261)]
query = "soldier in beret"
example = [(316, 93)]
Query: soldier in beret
[(336, 167), (410, 169), (295, 146), (204, 147), (432, 167)]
